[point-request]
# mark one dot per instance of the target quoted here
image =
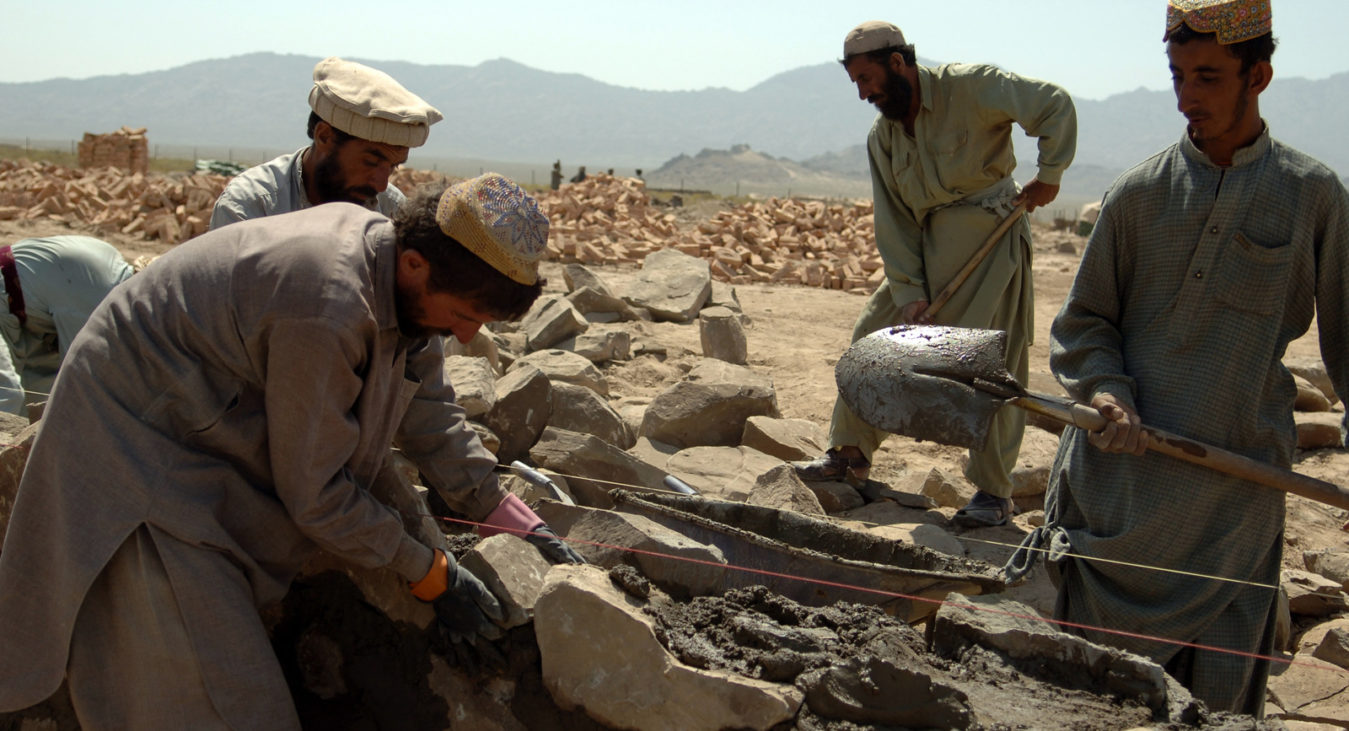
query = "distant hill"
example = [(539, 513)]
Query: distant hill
[(804, 126)]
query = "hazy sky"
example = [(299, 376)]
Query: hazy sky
[(1095, 48)]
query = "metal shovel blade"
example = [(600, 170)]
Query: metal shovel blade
[(916, 380)]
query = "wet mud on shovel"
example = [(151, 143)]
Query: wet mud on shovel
[(944, 384)]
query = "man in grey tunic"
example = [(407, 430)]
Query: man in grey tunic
[(51, 284), (362, 125), (1207, 260), (223, 415), (941, 165)]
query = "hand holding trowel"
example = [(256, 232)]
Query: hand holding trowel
[(944, 384)]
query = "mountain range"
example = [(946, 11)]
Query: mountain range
[(806, 123)]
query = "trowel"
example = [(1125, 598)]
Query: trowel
[(944, 384)]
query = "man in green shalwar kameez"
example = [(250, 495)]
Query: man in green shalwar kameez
[(941, 165)]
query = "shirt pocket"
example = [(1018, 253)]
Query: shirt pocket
[(1253, 277), (949, 144)]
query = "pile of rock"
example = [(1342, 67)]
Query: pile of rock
[(611, 220), (126, 149), (171, 208)]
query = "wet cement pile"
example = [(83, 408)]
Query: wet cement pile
[(862, 669)]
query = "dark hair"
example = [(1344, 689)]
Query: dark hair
[(314, 120), (454, 268), (1250, 52), (882, 55)]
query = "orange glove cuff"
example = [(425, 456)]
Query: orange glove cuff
[(436, 580)]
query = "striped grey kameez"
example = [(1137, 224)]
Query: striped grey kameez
[(1194, 282)]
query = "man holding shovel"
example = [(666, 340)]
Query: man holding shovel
[(1209, 258), (941, 163)]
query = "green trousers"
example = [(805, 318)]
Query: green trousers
[(989, 468)]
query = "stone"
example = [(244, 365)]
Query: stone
[(1031, 474), (787, 439), (1334, 648), (599, 652), (723, 295), (597, 307), (1330, 563), (1318, 429), (474, 382), (551, 320), (1311, 689), (593, 466), (710, 407), (1038, 648), (781, 489), (679, 565), (722, 335), (600, 347), (1314, 371), (483, 345), (1311, 594), (1309, 397), (725, 473), (513, 569), (672, 285), (836, 497), (578, 276), (566, 367), (523, 406), (579, 409), (16, 436), (947, 490)]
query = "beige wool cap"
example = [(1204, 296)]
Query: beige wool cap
[(872, 35), (369, 104), (497, 220)]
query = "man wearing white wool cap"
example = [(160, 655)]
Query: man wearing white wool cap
[(362, 125), (225, 414)]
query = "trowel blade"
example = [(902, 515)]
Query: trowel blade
[(918, 380)]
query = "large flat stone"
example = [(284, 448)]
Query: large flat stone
[(600, 653)]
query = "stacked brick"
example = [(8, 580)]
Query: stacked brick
[(126, 149), (605, 220), (171, 208), (608, 220)]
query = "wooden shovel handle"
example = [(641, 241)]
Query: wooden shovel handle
[(965, 272), (1085, 417)]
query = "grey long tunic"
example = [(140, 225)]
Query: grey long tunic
[(237, 395), (1194, 282)]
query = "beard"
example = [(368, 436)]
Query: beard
[(332, 188), (1238, 114), (895, 98), (411, 314)]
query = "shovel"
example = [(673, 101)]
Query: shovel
[(944, 384)]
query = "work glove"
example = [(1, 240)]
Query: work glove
[(513, 516), (466, 611), (552, 547)]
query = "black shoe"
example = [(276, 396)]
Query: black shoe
[(834, 466), (985, 511)]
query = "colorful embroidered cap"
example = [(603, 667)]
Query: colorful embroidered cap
[(369, 104), (498, 221), (1233, 21), (872, 35)]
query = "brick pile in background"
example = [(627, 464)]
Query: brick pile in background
[(171, 208), (609, 220), (603, 220), (125, 149)]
